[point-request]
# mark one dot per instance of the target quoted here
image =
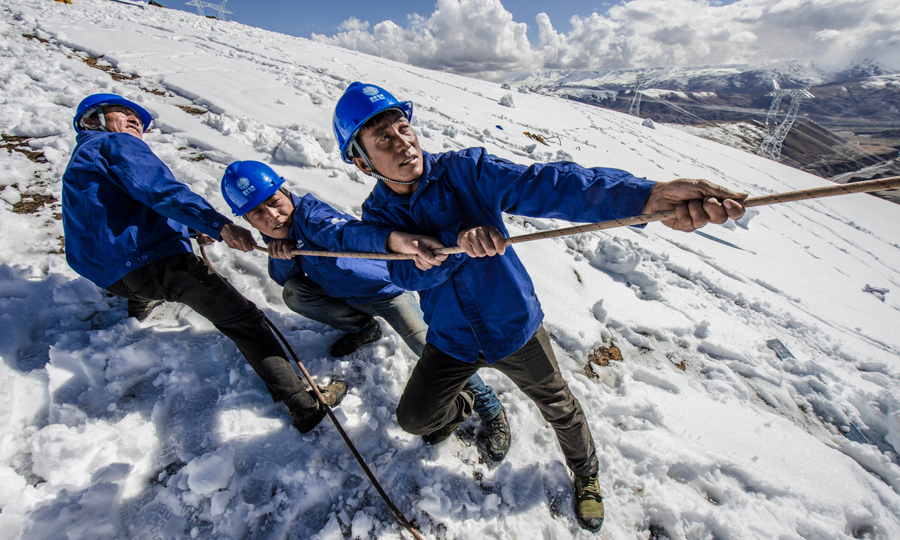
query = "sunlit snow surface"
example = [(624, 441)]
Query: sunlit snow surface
[(111, 428)]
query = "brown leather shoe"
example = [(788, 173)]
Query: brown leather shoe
[(307, 418)]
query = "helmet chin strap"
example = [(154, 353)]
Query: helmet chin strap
[(362, 153), (91, 112)]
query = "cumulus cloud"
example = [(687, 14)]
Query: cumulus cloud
[(480, 37), (463, 36), (354, 25)]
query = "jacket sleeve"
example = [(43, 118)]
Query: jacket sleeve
[(562, 190), (133, 167), (331, 230), (281, 270), (404, 273)]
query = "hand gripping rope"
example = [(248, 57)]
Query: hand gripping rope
[(789, 196), (398, 515)]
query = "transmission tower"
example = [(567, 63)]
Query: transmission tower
[(635, 109), (775, 132), (219, 8)]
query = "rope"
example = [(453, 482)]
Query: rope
[(398, 515), (777, 198)]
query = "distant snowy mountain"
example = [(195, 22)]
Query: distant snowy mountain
[(114, 429), (861, 98), (740, 79)]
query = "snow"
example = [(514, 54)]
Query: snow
[(798, 72), (110, 428)]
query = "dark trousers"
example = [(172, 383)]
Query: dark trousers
[(185, 278), (431, 398)]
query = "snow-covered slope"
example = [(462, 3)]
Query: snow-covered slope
[(111, 428)]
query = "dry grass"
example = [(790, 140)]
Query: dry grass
[(113, 72), (602, 355), (30, 204), (20, 145), (154, 91), (30, 36), (192, 110)]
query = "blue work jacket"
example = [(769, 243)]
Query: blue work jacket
[(122, 208), (317, 226), (488, 304)]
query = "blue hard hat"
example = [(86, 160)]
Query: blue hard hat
[(101, 100), (246, 184), (359, 103)]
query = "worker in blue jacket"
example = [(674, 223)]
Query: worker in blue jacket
[(344, 293), (481, 307), (126, 221)]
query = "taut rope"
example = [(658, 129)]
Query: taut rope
[(777, 198)]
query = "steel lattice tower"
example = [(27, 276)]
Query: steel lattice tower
[(775, 133), (220, 8), (635, 109)]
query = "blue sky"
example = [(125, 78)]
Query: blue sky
[(497, 39), (303, 17)]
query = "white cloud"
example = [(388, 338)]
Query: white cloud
[(463, 36), (354, 25), (480, 37)]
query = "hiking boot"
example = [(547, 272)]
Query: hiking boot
[(589, 502), (349, 343), (495, 437), (441, 434), (141, 310), (306, 418), (333, 393)]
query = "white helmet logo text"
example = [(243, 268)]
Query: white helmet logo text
[(243, 184)]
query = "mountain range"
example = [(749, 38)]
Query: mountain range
[(848, 127)]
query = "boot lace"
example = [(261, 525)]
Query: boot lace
[(589, 488)]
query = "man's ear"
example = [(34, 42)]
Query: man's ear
[(90, 121), (361, 165)]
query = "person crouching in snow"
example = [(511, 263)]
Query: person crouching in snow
[(344, 293), (481, 306), (126, 220)]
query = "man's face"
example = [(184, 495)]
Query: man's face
[(119, 119), (393, 148), (273, 217)]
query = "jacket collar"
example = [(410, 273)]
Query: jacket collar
[(86, 134), (432, 169)]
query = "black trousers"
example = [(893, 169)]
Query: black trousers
[(185, 278), (431, 398)]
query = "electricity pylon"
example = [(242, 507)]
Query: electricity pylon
[(775, 133), (635, 109), (220, 8)]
